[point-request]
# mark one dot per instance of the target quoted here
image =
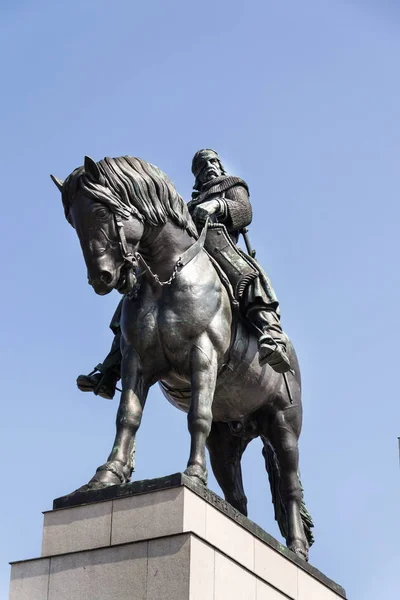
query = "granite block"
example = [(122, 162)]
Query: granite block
[(30, 580), (275, 569), (147, 516), (202, 570), (266, 592), (311, 589), (114, 573), (78, 528), (232, 581), (226, 535), (179, 480), (194, 514), (168, 572)]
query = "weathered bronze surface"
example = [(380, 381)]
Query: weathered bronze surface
[(198, 316)]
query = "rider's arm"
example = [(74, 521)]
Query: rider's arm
[(237, 208)]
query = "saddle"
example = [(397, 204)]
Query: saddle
[(230, 263)]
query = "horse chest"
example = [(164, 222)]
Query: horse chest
[(159, 333), (139, 325)]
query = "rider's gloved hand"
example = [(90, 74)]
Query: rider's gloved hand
[(204, 210)]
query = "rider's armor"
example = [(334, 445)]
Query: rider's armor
[(258, 302)]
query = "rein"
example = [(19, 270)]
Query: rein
[(182, 261), (132, 259)]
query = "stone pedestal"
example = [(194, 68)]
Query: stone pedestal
[(161, 539)]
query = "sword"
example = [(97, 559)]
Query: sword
[(250, 252)]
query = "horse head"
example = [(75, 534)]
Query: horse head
[(109, 229)]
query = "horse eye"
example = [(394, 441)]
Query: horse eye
[(102, 213)]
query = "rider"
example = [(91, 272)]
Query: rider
[(226, 199)]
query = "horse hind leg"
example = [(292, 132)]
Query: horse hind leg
[(282, 459), (226, 451)]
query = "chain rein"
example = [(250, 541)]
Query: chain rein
[(156, 278), (130, 258)]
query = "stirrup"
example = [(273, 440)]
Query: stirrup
[(98, 383)]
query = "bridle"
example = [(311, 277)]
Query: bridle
[(128, 257), (132, 259)]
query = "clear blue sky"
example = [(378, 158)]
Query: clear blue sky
[(302, 100)]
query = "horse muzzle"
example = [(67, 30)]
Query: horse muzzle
[(104, 283)]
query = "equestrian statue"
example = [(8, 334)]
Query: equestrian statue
[(199, 316)]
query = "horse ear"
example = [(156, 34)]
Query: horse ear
[(58, 182), (92, 168)]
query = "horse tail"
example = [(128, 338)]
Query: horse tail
[(274, 476)]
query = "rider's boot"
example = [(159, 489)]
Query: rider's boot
[(272, 341), (103, 380)]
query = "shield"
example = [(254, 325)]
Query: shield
[(238, 270)]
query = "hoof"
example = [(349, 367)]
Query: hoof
[(197, 473), (111, 473), (104, 479), (89, 487), (299, 549)]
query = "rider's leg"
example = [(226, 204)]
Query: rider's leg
[(103, 380), (272, 341)]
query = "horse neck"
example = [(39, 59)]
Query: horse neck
[(162, 246)]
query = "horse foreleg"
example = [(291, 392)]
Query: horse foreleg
[(283, 434), (203, 369), (226, 452), (119, 466)]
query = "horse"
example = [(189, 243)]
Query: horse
[(181, 329)]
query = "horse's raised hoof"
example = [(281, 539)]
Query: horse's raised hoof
[(197, 473), (298, 548)]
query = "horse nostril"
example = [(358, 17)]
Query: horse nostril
[(106, 277)]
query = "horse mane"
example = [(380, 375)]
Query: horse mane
[(131, 185)]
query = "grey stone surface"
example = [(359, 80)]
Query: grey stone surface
[(79, 528), (266, 592), (30, 580), (147, 516), (166, 544), (232, 581), (168, 570), (275, 569), (202, 570), (117, 573), (177, 480), (311, 589), (194, 515), (226, 535)]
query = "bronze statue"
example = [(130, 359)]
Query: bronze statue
[(199, 317), (226, 200)]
